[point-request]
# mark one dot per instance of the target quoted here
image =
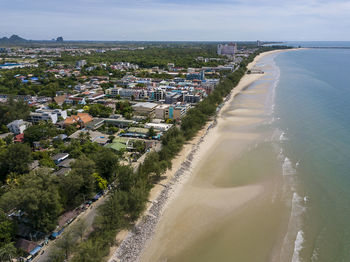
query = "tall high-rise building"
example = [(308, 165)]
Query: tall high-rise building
[(227, 49)]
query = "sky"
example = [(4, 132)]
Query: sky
[(177, 20)]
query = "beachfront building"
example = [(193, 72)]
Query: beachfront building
[(176, 112), (209, 85)]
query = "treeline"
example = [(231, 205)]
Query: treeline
[(127, 202), (151, 56)]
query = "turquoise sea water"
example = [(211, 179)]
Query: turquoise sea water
[(312, 107)]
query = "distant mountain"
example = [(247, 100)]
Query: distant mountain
[(13, 39)]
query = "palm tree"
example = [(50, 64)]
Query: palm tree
[(7, 252)]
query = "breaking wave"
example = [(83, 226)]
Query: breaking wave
[(287, 167), (298, 246)]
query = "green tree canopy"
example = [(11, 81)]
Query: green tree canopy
[(37, 196)]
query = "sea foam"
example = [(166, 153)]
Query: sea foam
[(283, 137), (287, 167), (298, 246)]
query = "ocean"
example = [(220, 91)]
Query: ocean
[(312, 106), (275, 185)]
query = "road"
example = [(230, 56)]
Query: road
[(88, 216)]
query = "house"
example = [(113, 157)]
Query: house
[(94, 136), (80, 119), (61, 137), (120, 143), (66, 163), (58, 158), (62, 171), (96, 96), (95, 124), (18, 126), (75, 100), (19, 138), (67, 218), (29, 247), (119, 122), (136, 132)]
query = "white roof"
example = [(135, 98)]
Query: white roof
[(145, 104)]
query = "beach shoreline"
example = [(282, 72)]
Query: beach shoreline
[(134, 243)]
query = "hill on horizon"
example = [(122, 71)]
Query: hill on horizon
[(13, 39)]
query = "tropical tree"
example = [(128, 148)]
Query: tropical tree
[(7, 252)]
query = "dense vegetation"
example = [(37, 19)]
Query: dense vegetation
[(46, 85), (152, 56), (11, 111)]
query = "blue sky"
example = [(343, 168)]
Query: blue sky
[(222, 20)]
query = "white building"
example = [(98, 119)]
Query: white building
[(81, 63), (50, 115), (18, 126), (36, 117), (161, 126)]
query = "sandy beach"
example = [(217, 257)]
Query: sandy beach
[(182, 194)]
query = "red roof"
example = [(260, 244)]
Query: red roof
[(19, 138)]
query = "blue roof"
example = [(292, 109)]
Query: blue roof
[(35, 250), (8, 64)]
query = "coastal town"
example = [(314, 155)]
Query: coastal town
[(76, 129)]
